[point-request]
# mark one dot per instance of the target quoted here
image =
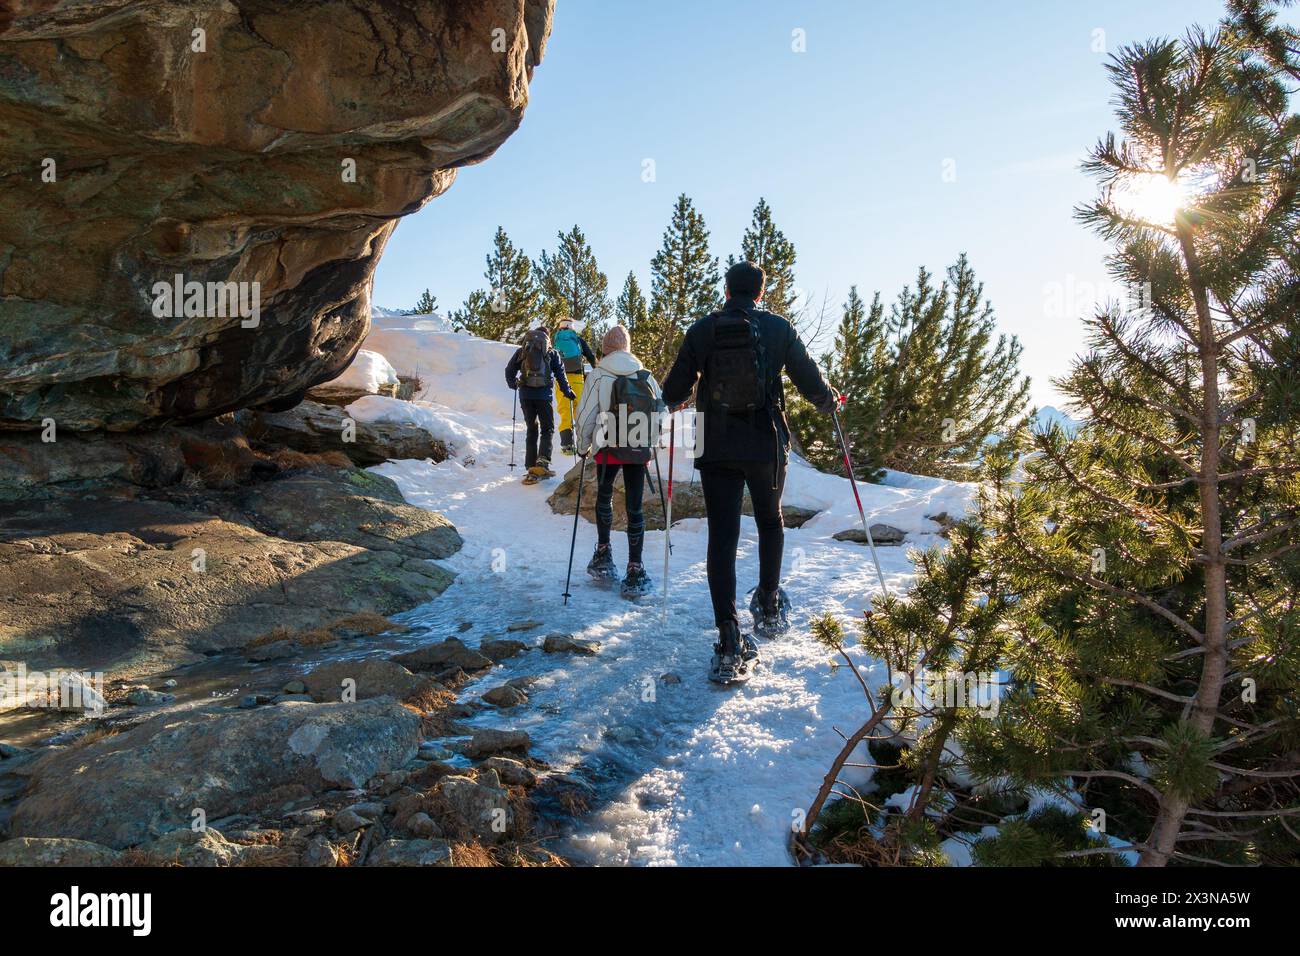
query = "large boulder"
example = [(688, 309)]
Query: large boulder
[(444, 655), (128, 788), (313, 428), (77, 463), (373, 677), (266, 144), (688, 501)]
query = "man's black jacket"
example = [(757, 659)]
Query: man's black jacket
[(764, 436)]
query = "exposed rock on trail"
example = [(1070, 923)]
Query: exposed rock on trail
[(882, 534), (371, 514), (371, 678), (37, 851), (94, 582), (449, 654), (688, 501), (224, 159), (125, 788)]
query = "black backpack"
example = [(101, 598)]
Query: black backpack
[(635, 412), (736, 370), (537, 363)]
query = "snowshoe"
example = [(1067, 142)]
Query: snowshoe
[(540, 470), (601, 566), (636, 583), (735, 657), (771, 613), (531, 479)]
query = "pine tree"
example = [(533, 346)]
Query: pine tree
[(571, 284), (684, 286), (630, 309), (426, 304), (509, 305), (849, 369), (1156, 554), (926, 385), (766, 246), (943, 644)]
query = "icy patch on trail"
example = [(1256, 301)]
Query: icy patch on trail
[(684, 773)]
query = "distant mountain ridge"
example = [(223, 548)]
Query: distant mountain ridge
[(1050, 415)]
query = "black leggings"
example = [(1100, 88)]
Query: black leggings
[(539, 416), (633, 486), (724, 489)]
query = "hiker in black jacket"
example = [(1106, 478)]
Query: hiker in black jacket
[(737, 355), (534, 369)]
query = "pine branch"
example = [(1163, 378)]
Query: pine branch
[(1115, 775), (1156, 691), (1135, 596), (1251, 536), (1257, 774)]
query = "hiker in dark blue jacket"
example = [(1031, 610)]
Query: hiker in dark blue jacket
[(535, 369)]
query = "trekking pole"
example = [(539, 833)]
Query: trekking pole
[(844, 447), (573, 542), (660, 482), (514, 426), (668, 509)]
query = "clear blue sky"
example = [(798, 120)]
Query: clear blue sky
[(847, 141)]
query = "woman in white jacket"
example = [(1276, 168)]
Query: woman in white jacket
[(618, 420)]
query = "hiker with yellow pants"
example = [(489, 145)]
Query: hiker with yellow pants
[(573, 348)]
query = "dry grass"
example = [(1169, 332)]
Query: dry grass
[(368, 623), (860, 848), (573, 801), (286, 459), (530, 855), (99, 733), (472, 855), (431, 700), (272, 856), (364, 622), (345, 854), (135, 856), (410, 387)]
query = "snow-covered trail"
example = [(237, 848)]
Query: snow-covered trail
[(688, 773)]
